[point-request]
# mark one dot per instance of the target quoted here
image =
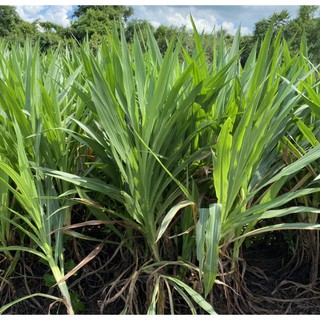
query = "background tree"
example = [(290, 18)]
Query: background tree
[(306, 22), (279, 20), (113, 12), (306, 13), (163, 35), (51, 27), (140, 26), (13, 28), (96, 20), (23, 30), (309, 22), (8, 20)]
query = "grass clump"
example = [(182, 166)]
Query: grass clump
[(175, 160)]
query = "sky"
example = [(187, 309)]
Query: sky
[(206, 17)]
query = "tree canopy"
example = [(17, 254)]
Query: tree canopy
[(93, 21), (9, 18), (96, 20)]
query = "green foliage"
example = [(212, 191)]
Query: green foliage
[(24, 30), (112, 12), (35, 109), (8, 20), (141, 28), (50, 26), (186, 150), (278, 20), (78, 305), (97, 20), (306, 23), (307, 13), (49, 41)]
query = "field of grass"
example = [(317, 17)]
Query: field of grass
[(145, 183)]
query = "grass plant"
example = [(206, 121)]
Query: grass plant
[(179, 158)]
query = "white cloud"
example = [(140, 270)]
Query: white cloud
[(56, 14), (231, 28), (180, 20), (174, 16), (155, 23), (206, 19), (29, 13), (206, 25)]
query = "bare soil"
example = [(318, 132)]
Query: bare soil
[(268, 280)]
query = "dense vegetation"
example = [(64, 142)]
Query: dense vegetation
[(139, 181), (90, 22)]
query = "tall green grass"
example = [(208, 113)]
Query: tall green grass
[(36, 103), (248, 174), (186, 155)]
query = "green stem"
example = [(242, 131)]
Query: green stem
[(62, 286)]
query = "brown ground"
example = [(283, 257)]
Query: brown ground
[(269, 281)]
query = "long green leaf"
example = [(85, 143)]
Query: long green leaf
[(170, 215), (193, 294)]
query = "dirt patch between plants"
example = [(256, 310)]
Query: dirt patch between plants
[(268, 281)]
